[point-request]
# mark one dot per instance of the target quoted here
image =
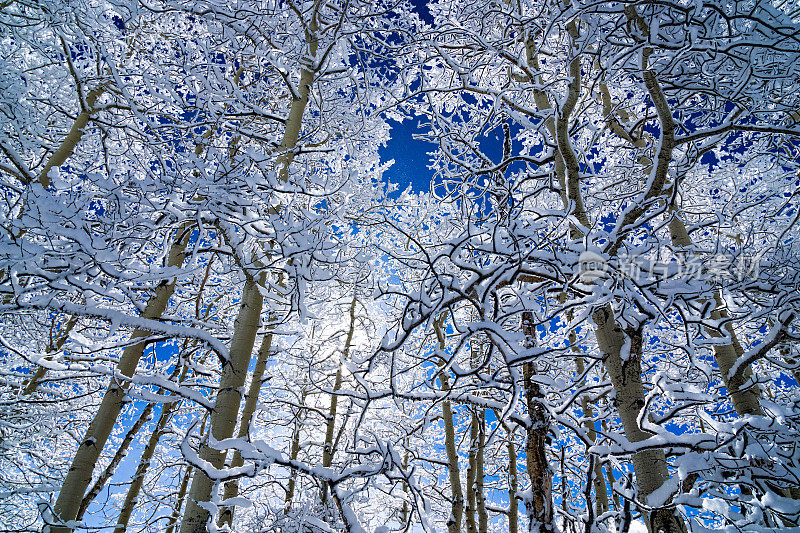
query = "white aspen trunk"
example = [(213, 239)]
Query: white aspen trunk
[(226, 405), (650, 466), (746, 401), (182, 490), (250, 403), (80, 472), (327, 449), (72, 138), (454, 523), (132, 496)]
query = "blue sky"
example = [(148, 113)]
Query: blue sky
[(410, 157)]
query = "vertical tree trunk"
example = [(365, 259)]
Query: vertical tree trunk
[(472, 526), (456, 515), (251, 401), (226, 405), (294, 451), (176, 511), (327, 449), (540, 513), (650, 466), (513, 484), (483, 517), (80, 472)]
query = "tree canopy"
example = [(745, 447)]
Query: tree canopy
[(218, 314)]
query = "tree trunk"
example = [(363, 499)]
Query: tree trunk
[(132, 496), (294, 451), (650, 466), (73, 137), (746, 400), (80, 472), (513, 485), (600, 492), (327, 449), (540, 512), (122, 451), (483, 517), (176, 510), (472, 526), (454, 522), (226, 408), (226, 405), (251, 401)]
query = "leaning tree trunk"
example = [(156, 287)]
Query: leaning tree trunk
[(226, 405), (80, 472), (746, 400), (182, 489), (120, 454), (132, 496)]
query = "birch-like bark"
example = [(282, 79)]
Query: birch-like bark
[(250, 403), (404, 510), (330, 426), (649, 465), (120, 454), (746, 399), (72, 138), (540, 511), (226, 407), (457, 512), (80, 472)]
